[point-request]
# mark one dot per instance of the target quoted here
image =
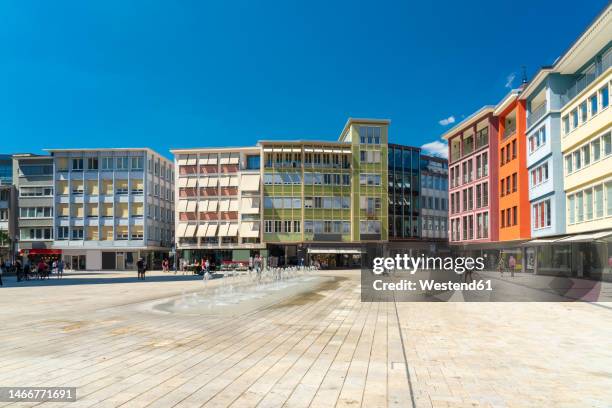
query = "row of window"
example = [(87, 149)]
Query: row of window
[(541, 214), (289, 178), (509, 217), (335, 203), (466, 175), (434, 223), (36, 192), (369, 135), (539, 175), (119, 234), (508, 152), (434, 182), (433, 203), (508, 185), (276, 226), (592, 152), (589, 203), (36, 212), (587, 109), (294, 160), (466, 196), (369, 156), (537, 139), (369, 179), (465, 224)]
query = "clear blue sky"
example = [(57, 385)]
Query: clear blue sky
[(170, 74)]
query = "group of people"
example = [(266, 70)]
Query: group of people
[(501, 266), (32, 269)]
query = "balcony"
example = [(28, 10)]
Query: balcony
[(585, 80), (536, 115), (509, 132)]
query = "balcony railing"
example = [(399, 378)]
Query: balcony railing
[(536, 114), (509, 131), (585, 80)]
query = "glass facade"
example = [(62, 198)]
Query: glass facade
[(404, 187)]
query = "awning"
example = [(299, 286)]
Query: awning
[(233, 181), (192, 182), (224, 158), (249, 205), (249, 229), (40, 251), (203, 205), (202, 230), (334, 251), (212, 230), (233, 205), (249, 182), (191, 205), (224, 205), (182, 182), (182, 205), (212, 158), (586, 237), (182, 161), (192, 160), (213, 181), (180, 232), (234, 158), (212, 205), (542, 241), (224, 181), (190, 231), (203, 182), (203, 159), (233, 230), (223, 229)]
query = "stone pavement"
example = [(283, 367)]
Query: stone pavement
[(94, 331)]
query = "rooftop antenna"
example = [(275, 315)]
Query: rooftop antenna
[(524, 70)]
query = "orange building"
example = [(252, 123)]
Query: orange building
[(513, 182)]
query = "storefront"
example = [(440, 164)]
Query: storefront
[(37, 254), (334, 258)]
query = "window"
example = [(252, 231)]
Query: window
[(107, 163), (121, 163), (577, 160), (268, 226), (604, 96), (77, 164), (36, 191), (586, 155), (503, 218), (596, 149), (514, 187), (566, 124), (514, 149), (485, 194), (541, 214), (137, 163), (35, 234), (296, 226), (92, 163), (580, 205), (607, 144), (588, 198), (62, 233), (369, 135), (568, 163), (593, 103), (369, 179), (608, 186), (77, 233), (369, 227), (583, 112), (574, 114), (598, 193), (571, 207)]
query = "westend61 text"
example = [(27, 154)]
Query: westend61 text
[(429, 284)]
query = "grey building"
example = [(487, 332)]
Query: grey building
[(33, 180), (112, 206)]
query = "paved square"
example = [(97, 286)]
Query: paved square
[(96, 332)]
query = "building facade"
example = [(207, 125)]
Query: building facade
[(473, 181), (218, 212), (111, 207), (33, 180), (311, 201)]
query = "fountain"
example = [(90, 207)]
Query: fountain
[(242, 293)]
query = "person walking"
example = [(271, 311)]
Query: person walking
[(500, 265), (18, 270), (511, 265)]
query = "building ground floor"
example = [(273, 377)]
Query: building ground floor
[(586, 255), (113, 259)]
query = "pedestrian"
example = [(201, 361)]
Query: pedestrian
[(60, 268), (165, 265), (207, 265), (511, 265), (500, 265), (18, 270), (140, 267)]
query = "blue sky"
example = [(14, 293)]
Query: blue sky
[(175, 74)]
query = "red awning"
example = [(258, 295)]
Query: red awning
[(41, 251)]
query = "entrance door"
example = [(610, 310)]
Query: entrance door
[(120, 261)]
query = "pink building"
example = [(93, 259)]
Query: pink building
[(472, 171)]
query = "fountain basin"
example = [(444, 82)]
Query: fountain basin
[(238, 298)]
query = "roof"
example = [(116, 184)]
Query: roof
[(107, 149), (596, 36), (536, 81), (193, 150), (506, 101), (302, 142), (479, 114)]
